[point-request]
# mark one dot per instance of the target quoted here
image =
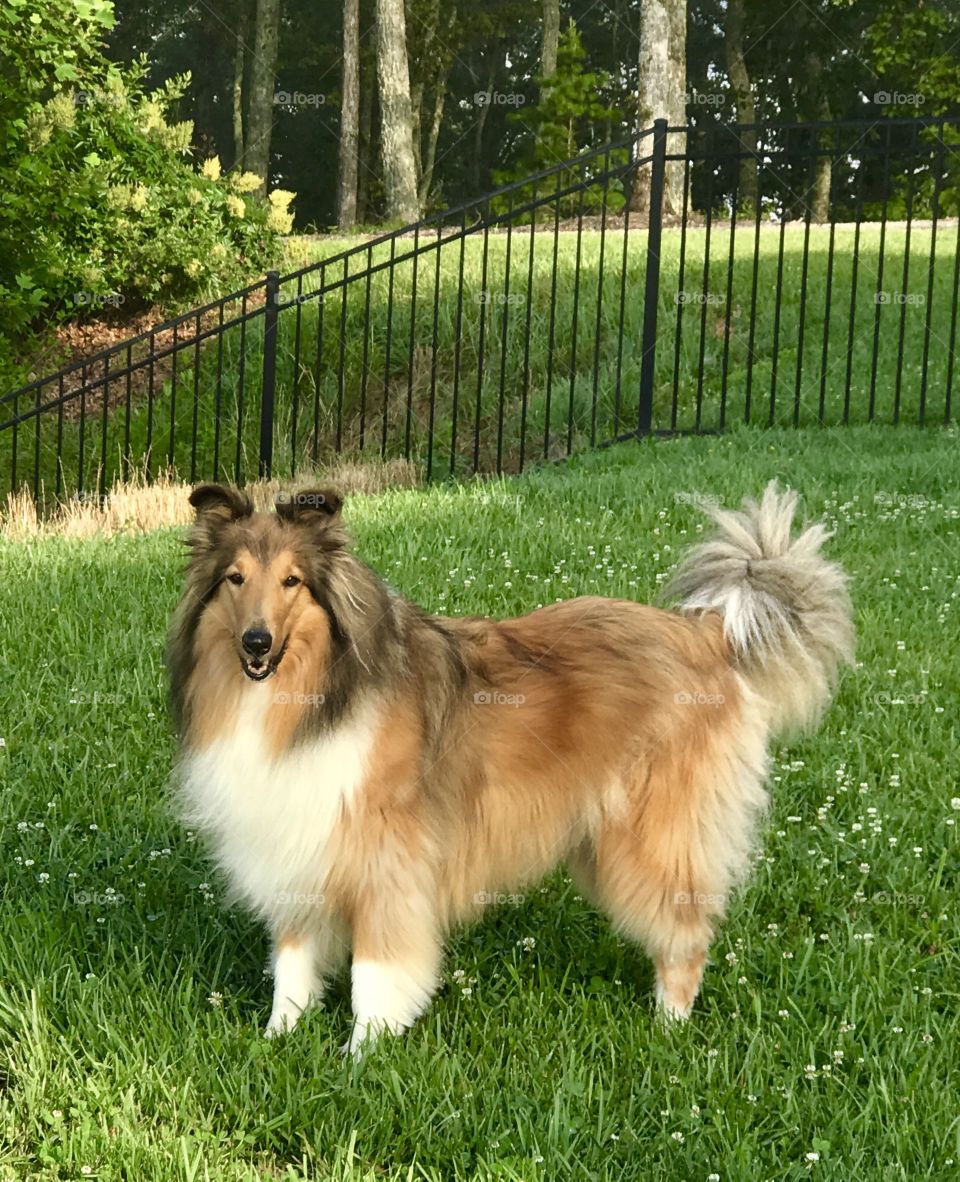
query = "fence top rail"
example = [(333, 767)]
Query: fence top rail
[(862, 122), (860, 150)]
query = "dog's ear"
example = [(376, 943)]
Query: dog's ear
[(217, 500), (311, 506)]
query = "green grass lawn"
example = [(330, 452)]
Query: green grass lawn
[(131, 1002), (539, 354)]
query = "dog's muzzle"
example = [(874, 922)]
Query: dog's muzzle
[(257, 643)]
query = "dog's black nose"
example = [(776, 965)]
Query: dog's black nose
[(256, 641)]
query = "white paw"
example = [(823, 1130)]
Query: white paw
[(363, 1038), (670, 1010), (282, 1021)]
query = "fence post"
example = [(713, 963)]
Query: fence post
[(269, 385), (651, 292)]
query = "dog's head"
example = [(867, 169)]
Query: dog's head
[(260, 581)]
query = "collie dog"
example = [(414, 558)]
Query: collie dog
[(370, 775)]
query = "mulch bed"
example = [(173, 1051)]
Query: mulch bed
[(76, 341)]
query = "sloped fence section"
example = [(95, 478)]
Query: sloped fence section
[(678, 281)]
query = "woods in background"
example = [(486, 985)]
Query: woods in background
[(376, 111)]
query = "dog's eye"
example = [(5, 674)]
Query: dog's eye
[(291, 581), (236, 578)]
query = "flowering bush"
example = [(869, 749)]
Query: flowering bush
[(100, 203)]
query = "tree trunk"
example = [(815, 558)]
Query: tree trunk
[(239, 68), (349, 117), (551, 38), (207, 38), (821, 187), (396, 119), (430, 156), (746, 111), (441, 36), (367, 155), (661, 94), (487, 95), (260, 107), (424, 68), (822, 165), (416, 115)]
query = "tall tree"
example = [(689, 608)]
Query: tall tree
[(262, 85), (239, 75), (661, 92), (745, 105), (551, 38), (569, 117), (429, 151), (396, 116), (367, 178), (349, 117), (434, 32), (822, 164)]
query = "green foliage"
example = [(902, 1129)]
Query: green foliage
[(569, 117), (914, 53), (100, 205)]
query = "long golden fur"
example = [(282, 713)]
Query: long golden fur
[(370, 775)]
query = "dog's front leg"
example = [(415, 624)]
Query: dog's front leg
[(301, 963), (396, 966)]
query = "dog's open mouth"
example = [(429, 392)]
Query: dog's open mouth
[(257, 669)]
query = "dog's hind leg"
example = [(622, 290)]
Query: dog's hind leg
[(621, 884), (667, 863), (664, 867), (661, 906)]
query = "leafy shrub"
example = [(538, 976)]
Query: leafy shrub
[(100, 204)]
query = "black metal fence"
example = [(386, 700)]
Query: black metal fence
[(789, 274)]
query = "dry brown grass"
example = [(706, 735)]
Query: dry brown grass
[(136, 506)]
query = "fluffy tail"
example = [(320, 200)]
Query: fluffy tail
[(785, 608)]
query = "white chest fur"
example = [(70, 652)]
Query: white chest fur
[(270, 818)]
